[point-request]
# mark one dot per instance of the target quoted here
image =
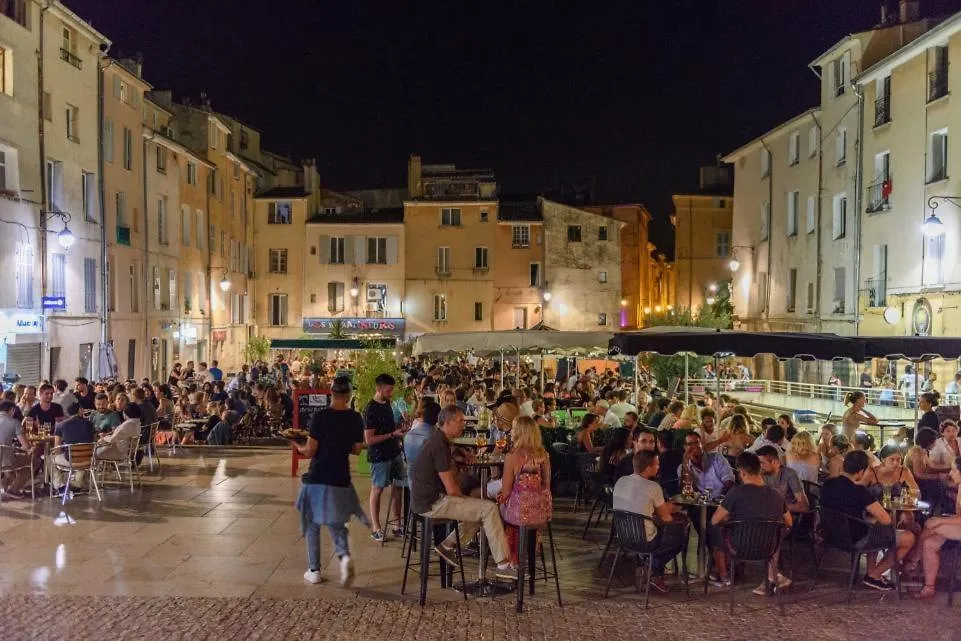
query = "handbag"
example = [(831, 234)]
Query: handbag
[(529, 503)]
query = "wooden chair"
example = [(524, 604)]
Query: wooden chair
[(79, 458)]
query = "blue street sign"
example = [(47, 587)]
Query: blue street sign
[(55, 302)]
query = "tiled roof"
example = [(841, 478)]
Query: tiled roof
[(284, 192), (519, 211)]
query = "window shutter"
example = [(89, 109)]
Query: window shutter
[(360, 250), (324, 250), (116, 87), (392, 250), (348, 250)]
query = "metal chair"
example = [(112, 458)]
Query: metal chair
[(129, 450), (836, 528), (633, 537), (526, 561), (7, 464), (956, 545), (752, 542), (603, 499), (79, 458), (588, 478), (150, 447), (428, 533), (399, 490)]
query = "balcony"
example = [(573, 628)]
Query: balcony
[(877, 290), (68, 56), (878, 196), (123, 235), (937, 83), (882, 110), (443, 270)]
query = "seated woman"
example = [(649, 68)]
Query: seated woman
[(688, 419), (828, 430), (737, 438), (865, 443), (541, 416), (803, 457), (929, 476), (199, 433), (893, 475), (222, 433), (616, 450), (583, 436), (937, 531), (840, 445)]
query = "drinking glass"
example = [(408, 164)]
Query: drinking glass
[(480, 440), (501, 442)]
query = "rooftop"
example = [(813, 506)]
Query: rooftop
[(519, 209), (391, 216), (284, 192)]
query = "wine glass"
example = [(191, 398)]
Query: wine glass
[(501, 442), (480, 440)]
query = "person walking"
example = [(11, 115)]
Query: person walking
[(327, 496)]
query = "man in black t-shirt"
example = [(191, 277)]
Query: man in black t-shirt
[(846, 494), (384, 452), (74, 429), (46, 412), (750, 501), (84, 393)]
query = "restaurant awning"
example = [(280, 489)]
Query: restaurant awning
[(915, 348), (708, 342), (529, 341), (332, 343)]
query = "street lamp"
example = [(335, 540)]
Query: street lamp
[(734, 265), (710, 300), (547, 297), (932, 227), (712, 288), (224, 283), (65, 237)]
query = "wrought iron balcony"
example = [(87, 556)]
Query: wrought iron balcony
[(937, 83), (878, 196), (882, 110), (68, 56), (877, 290)]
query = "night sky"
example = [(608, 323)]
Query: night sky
[(626, 98)]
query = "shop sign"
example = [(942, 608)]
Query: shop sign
[(219, 335), (355, 325)]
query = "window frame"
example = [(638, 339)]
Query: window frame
[(440, 308), (280, 302), (277, 261), (520, 236), (574, 234), (481, 252), (451, 217)]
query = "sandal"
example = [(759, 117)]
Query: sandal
[(927, 592)]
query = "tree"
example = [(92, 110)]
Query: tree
[(718, 315), (370, 363), (257, 349)]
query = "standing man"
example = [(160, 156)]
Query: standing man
[(381, 435), (215, 371), (63, 396)]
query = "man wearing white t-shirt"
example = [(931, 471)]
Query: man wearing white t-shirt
[(622, 407), (609, 418), (640, 494), (907, 385)]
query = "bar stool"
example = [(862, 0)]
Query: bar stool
[(430, 525), (404, 521), (526, 561)]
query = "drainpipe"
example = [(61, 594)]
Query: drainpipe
[(44, 191), (210, 283), (146, 258), (770, 230), (820, 257), (101, 191), (858, 208)]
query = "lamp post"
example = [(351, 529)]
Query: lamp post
[(225, 283), (932, 227)]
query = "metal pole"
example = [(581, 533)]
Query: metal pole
[(542, 372), (917, 388), (502, 369), (717, 377), (637, 380), (687, 391)]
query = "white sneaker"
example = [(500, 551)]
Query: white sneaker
[(346, 571), (313, 576)]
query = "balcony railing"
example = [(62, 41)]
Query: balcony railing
[(443, 270), (937, 83), (68, 56), (123, 235), (877, 290), (882, 110), (878, 196)]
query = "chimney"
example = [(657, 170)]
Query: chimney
[(910, 11), (415, 187)]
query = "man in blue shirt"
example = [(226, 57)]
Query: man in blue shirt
[(414, 439), (707, 471), (215, 371)]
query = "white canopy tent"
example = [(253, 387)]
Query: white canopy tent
[(519, 341)]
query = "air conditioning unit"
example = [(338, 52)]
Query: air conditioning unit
[(374, 294)]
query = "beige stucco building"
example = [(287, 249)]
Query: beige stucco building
[(702, 246)]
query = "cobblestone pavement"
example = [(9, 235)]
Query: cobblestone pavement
[(209, 548)]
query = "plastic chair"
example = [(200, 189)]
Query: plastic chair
[(588, 478), (427, 529), (836, 527), (603, 499), (7, 454), (80, 458), (633, 537), (752, 542)]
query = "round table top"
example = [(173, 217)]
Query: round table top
[(693, 501), (486, 462), (898, 506)]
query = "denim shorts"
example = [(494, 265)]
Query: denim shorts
[(384, 473)]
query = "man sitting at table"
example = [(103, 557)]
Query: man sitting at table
[(114, 446), (753, 500), (608, 418), (72, 430), (10, 430), (847, 494), (639, 493), (773, 436), (783, 479), (103, 418), (46, 412), (435, 493), (707, 471)]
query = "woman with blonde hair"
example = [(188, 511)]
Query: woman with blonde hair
[(525, 495), (737, 438), (803, 457), (687, 420)]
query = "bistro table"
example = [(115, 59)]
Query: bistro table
[(483, 464), (701, 502), (896, 506)]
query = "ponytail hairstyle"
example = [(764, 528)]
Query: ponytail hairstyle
[(852, 397)]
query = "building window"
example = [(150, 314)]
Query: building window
[(73, 116), (443, 260), (450, 217), (793, 200), (841, 146), (201, 229), (89, 285), (602, 277), (337, 250), (134, 289), (722, 244), (278, 261), (88, 193), (839, 218), (8, 169), (377, 250), (602, 319), (484, 215), (161, 159), (791, 289), (480, 258), (478, 311), (765, 219), (938, 156), (163, 234), (440, 307), (573, 233), (839, 295), (841, 73), (794, 148), (602, 232), (937, 72), (185, 225), (120, 204), (58, 275), (55, 184), (108, 140), (313, 298), (811, 215), (814, 139), (25, 276), (521, 236), (335, 297), (213, 239), (882, 101), (934, 261), (878, 289), (535, 274), (6, 68), (191, 172), (127, 149), (765, 163), (277, 304), (279, 213), (809, 299)]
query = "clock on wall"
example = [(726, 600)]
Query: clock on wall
[(921, 317)]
